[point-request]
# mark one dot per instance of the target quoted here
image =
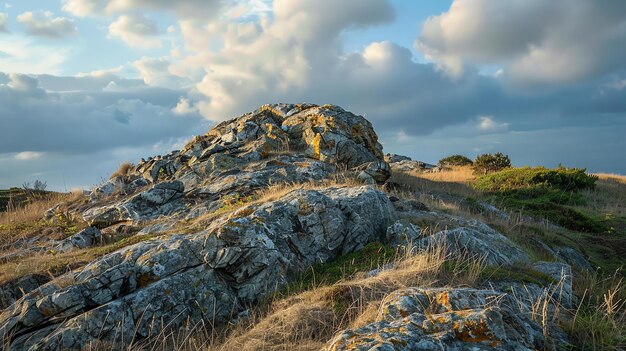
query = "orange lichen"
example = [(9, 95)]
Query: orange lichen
[(444, 300), (317, 141), (270, 109), (473, 331), (272, 132)]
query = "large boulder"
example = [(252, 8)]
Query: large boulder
[(447, 319), (209, 275)]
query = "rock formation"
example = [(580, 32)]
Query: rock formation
[(239, 255)]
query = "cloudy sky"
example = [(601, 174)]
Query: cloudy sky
[(88, 84)]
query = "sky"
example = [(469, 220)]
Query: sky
[(88, 84)]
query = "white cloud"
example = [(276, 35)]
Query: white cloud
[(156, 72), (137, 31), (184, 107), (28, 155), (27, 55), (488, 124), (553, 42), (285, 56), (44, 24), (3, 22)]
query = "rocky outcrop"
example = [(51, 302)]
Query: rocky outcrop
[(404, 164), (447, 319), (240, 249), (209, 275)]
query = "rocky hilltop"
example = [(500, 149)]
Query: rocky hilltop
[(220, 225)]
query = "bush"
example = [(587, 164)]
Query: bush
[(528, 179), (544, 192), (491, 162), (455, 160)]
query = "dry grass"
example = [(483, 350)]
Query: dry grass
[(599, 321), (454, 182), (611, 177), (26, 222), (122, 170), (22, 222), (457, 174), (609, 196)]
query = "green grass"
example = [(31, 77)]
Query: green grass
[(552, 194), (537, 178), (372, 256)]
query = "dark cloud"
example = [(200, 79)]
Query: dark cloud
[(85, 123)]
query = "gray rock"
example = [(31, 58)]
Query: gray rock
[(562, 275), (402, 233), (161, 199), (87, 237), (378, 171), (446, 319), (407, 166), (14, 290), (478, 241), (209, 275), (392, 158)]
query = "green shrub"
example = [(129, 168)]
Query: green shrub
[(491, 162), (544, 192), (529, 179), (455, 160)]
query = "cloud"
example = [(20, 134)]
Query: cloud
[(488, 124), (80, 123), (137, 31), (194, 9), (285, 57), (537, 42), (4, 18), (28, 155), (156, 72), (44, 24), (28, 55)]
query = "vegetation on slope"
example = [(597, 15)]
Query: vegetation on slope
[(339, 294), (592, 211), (543, 192)]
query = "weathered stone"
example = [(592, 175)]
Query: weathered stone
[(478, 241), (378, 171), (88, 237), (446, 319), (150, 204), (207, 275), (402, 233), (392, 158), (14, 290)]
